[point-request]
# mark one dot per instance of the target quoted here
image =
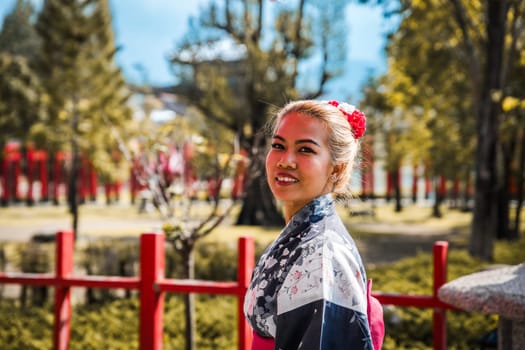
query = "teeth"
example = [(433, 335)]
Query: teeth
[(286, 179)]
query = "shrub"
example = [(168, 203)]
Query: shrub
[(115, 257), (28, 328), (34, 257), (411, 328)]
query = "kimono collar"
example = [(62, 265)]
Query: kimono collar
[(314, 211)]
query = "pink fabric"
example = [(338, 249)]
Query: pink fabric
[(260, 343), (375, 318)]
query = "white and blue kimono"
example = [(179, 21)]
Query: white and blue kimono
[(309, 288)]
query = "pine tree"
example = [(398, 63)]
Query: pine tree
[(20, 92), (87, 91), (18, 35)]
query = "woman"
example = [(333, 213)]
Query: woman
[(309, 288)]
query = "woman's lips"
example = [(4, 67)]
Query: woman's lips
[(285, 179)]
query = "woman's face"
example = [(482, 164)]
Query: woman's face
[(298, 165)]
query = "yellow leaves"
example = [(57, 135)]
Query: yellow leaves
[(496, 95), (83, 105), (509, 103), (63, 115)]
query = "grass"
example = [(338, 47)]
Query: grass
[(120, 220), (412, 214), (124, 220)]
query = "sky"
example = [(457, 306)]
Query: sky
[(148, 30)]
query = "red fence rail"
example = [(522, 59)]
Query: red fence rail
[(152, 286)]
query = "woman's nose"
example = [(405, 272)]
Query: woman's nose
[(287, 161)]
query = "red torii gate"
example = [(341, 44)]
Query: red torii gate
[(34, 164), (87, 177), (36, 169), (11, 169)]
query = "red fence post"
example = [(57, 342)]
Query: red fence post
[(30, 174), (245, 264), (439, 316), (151, 300), (64, 266)]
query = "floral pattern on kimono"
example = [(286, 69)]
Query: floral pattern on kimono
[(308, 289)]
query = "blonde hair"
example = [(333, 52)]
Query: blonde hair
[(343, 146)]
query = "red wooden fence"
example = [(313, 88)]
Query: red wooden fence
[(152, 286)]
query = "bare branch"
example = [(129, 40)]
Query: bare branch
[(258, 30), (297, 48), (463, 22), (324, 71)]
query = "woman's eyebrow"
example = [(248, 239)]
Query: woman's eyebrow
[(297, 141), (307, 141)]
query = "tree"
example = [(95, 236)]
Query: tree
[(240, 93), (488, 72), (21, 95), (18, 35), (481, 44), (168, 163), (423, 74), (21, 99), (86, 88)]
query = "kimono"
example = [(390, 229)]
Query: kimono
[(309, 287)]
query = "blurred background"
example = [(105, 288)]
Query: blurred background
[(167, 99), (118, 117)]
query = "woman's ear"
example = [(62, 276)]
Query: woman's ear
[(337, 171)]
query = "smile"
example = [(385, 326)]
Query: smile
[(286, 179)]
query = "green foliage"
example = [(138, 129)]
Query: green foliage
[(109, 258), (216, 261), (112, 325), (34, 257), (216, 322), (425, 112), (18, 36), (510, 252), (29, 328), (87, 91), (21, 97)]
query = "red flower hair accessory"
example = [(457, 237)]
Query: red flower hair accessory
[(355, 117)]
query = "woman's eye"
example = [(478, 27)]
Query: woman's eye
[(277, 146), (306, 150)]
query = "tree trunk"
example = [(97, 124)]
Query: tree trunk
[(258, 207), (397, 190), (438, 198), (520, 188), (415, 179), (189, 298), (466, 192), (72, 193), (484, 223), (507, 154)]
